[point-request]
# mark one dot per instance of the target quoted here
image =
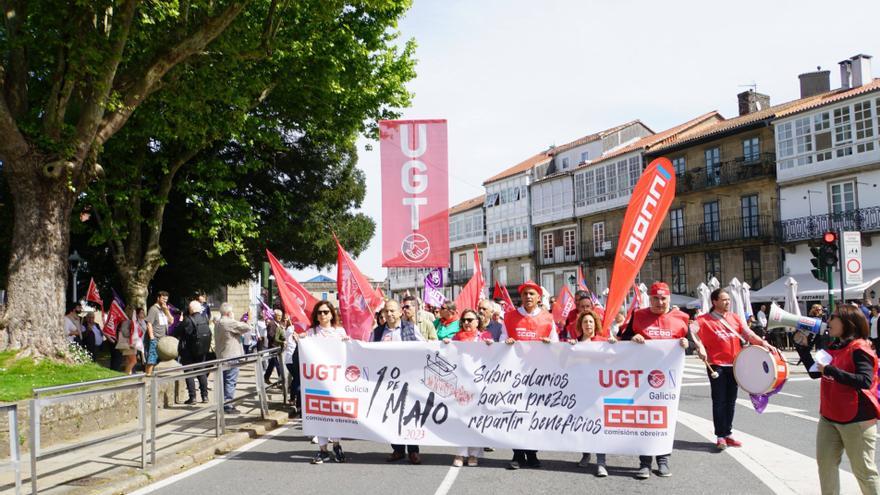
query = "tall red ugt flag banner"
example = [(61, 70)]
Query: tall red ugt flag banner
[(647, 208), (472, 292), (293, 306), (415, 193), (357, 299), (305, 298)]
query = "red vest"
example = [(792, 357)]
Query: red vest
[(521, 327), (672, 325), (721, 344), (841, 402)]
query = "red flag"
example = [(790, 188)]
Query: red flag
[(293, 305), (92, 294), (563, 306), (357, 299), (472, 292), (305, 298), (114, 317), (647, 208), (415, 193), (582, 281), (500, 292)]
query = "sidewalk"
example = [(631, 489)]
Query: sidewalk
[(113, 467)]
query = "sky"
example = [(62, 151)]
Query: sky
[(514, 77)]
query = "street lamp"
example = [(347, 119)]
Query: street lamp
[(75, 261)]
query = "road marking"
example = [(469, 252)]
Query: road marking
[(773, 408), (703, 384), (796, 396), (783, 470), (448, 480), (208, 465)]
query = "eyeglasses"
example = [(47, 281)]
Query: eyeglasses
[(323, 311), (468, 320)]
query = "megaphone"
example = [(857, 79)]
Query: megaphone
[(778, 317)]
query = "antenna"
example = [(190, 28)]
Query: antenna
[(753, 85)]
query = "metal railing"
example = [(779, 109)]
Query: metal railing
[(760, 227), (458, 276), (14, 462), (47, 395), (559, 255), (727, 172), (812, 227), (217, 367), (601, 249)]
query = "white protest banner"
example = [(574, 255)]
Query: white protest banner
[(591, 397)]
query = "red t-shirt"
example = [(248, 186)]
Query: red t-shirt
[(722, 345), (526, 327), (671, 325), (472, 336)]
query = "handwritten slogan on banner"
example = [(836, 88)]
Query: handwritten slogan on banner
[(592, 397)]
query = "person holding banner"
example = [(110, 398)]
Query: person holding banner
[(718, 343), (582, 304), (487, 311), (588, 324), (657, 322), (396, 330), (414, 315), (447, 324), (528, 323)]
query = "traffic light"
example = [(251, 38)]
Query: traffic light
[(818, 271), (829, 249)]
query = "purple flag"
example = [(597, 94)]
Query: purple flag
[(759, 401), (433, 295), (176, 318), (268, 314), (117, 299)]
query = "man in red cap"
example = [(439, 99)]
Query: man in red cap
[(528, 323), (657, 322), (718, 343)]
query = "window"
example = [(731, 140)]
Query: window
[(711, 221), (752, 148), (611, 181), (598, 238), (785, 145), (679, 275), (502, 275), (585, 155), (568, 242), (462, 261), (526, 271), (803, 142), (564, 163), (749, 207), (492, 200), (864, 126), (679, 165), (622, 182), (579, 190), (713, 165), (713, 265), (547, 245), (600, 184), (676, 226), (822, 130), (842, 131), (752, 267), (635, 171), (843, 197)]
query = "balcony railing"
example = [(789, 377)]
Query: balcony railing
[(593, 249), (461, 276), (559, 255), (759, 227), (806, 228), (729, 172)]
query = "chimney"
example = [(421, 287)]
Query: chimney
[(813, 83), (845, 73), (861, 70), (751, 101)]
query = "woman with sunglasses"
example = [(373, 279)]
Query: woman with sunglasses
[(848, 403), (471, 329), (325, 325), (588, 323)]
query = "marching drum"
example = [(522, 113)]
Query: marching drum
[(758, 371)]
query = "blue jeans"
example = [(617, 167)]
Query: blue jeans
[(230, 378)]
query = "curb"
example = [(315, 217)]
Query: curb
[(200, 453)]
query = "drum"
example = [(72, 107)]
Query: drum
[(758, 371)]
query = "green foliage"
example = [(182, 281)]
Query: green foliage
[(19, 376)]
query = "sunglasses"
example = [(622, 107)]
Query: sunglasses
[(468, 320), (323, 312), (406, 306)]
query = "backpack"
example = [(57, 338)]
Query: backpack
[(198, 342)]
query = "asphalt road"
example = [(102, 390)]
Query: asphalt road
[(781, 440)]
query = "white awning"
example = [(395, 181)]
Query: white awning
[(810, 288)]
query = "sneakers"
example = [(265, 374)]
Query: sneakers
[(585, 461), (320, 457), (663, 470), (230, 410), (731, 442), (721, 444), (513, 465), (601, 471), (190, 401), (643, 473), (338, 454), (472, 461), (458, 461)]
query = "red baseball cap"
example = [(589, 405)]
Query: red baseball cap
[(659, 289), (529, 285)]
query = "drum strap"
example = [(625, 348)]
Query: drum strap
[(730, 328)]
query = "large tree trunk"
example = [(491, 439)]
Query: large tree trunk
[(135, 291), (38, 262)]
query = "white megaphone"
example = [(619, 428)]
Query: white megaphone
[(778, 317)]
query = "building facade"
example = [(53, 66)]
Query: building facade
[(467, 230)]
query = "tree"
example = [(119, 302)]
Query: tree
[(75, 74)]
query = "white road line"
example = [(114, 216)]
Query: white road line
[(773, 408), (177, 477), (448, 480), (783, 470), (700, 384), (796, 396)]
